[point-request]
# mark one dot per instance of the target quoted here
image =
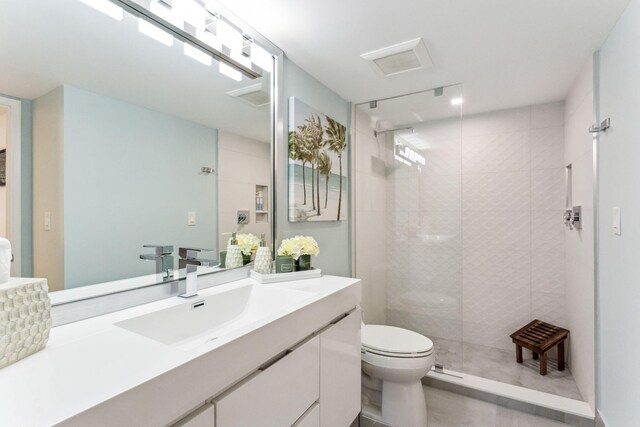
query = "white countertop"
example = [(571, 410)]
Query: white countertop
[(90, 362)]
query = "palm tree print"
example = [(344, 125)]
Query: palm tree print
[(337, 142), (324, 167)]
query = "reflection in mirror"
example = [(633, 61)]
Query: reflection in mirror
[(132, 143)]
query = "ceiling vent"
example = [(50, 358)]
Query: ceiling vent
[(400, 58), (257, 95)]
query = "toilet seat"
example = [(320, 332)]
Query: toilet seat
[(390, 341)]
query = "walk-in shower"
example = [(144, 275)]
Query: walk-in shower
[(459, 231)]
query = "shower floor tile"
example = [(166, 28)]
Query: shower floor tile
[(500, 365)]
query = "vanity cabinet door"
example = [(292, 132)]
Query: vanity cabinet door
[(340, 372), (204, 416), (276, 396)]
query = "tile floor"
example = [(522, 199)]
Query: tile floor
[(500, 365), (446, 409)]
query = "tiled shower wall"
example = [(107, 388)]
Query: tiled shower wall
[(475, 240)]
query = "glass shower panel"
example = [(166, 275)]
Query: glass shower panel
[(420, 138)]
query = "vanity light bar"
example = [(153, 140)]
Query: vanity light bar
[(143, 13)]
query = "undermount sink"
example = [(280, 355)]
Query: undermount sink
[(204, 319)]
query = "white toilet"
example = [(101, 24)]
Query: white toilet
[(394, 360)]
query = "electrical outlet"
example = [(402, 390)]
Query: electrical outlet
[(243, 217)]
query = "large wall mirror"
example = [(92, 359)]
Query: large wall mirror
[(129, 137)]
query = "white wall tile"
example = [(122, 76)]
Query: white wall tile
[(579, 244), (503, 121), (443, 157), (549, 307), (548, 189), (547, 231), (547, 271), (547, 147), (495, 270), (496, 191), (577, 138), (440, 192), (582, 181), (547, 115), (502, 152), (503, 230)]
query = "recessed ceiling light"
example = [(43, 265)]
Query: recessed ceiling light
[(457, 101)]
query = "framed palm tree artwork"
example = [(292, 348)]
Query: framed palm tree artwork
[(318, 164)]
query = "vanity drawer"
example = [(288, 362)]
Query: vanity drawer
[(311, 418), (277, 395), (205, 416)]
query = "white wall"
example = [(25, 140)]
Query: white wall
[(579, 244), (333, 236), (618, 289), (4, 128), (48, 187), (244, 164), (371, 213)]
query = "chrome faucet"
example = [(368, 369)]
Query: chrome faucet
[(163, 256), (189, 260)]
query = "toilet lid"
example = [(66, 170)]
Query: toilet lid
[(390, 339)]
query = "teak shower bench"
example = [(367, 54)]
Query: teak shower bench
[(540, 337)]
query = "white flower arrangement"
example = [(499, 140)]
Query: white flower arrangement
[(299, 245), (248, 243)]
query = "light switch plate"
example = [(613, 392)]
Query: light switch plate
[(616, 222), (191, 218), (47, 221)]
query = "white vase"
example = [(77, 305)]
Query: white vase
[(234, 257), (263, 263)]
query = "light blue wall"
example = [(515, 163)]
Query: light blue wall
[(619, 267), (27, 189), (333, 236), (130, 177)]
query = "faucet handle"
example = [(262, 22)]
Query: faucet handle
[(191, 252), (161, 249)]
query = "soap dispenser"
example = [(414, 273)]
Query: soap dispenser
[(234, 254), (262, 263)]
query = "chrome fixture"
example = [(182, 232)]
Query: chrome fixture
[(576, 217), (163, 256), (409, 128), (606, 124), (189, 260), (206, 32), (207, 170)]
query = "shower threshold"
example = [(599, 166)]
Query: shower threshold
[(571, 411)]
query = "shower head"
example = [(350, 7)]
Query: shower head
[(409, 128)]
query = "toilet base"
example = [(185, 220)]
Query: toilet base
[(403, 404)]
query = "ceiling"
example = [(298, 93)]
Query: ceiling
[(507, 53), (45, 44)]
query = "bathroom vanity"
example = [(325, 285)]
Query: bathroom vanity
[(238, 354)]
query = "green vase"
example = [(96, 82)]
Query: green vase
[(284, 264), (246, 259), (223, 256), (303, 263)]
